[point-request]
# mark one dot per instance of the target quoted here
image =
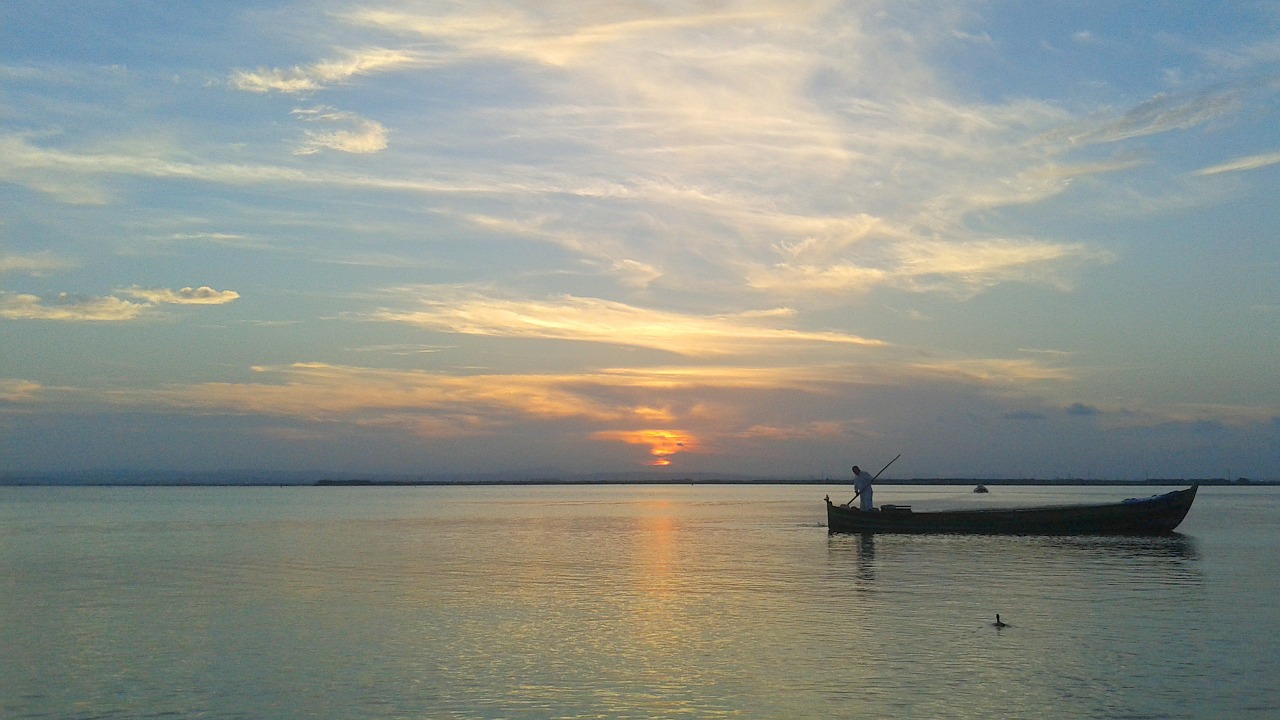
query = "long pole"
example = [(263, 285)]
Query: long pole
[(877, 475), (886, 467)]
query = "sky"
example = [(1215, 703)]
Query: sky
[(766, 238)]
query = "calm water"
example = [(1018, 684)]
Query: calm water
[(620, 602)]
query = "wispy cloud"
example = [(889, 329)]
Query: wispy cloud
[(1252, 162), (69, 308), (816, 430), (603, 321), (309, 78), (925, 265), (399, 349), (988, 262), (322, 391), (1161, 113), (363, 136), (68, 174), (326, 392), (34, 264), (79, 308), (71, 176), (434, 404), (705, 409), (709, 123), (1243, 57), (758, 192), (991, 371), (556, 38), (19, 391)]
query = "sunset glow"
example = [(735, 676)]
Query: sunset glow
[(543, 239), (662, 444)]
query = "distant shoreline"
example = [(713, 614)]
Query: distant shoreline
[(55, 481), (824, 481)]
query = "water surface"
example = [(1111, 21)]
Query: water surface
[(621, 602)]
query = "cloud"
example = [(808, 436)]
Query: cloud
[(713, 412), (309, 78), (816, 430), (68, 175), (363, 137), (1191, 414), (984, 263), (1251, 162), (636, 274), (1161, 113), (440, 405), (990, 371), (595, 320), (810, 378), (555, 38), (643, 397), (399, 349), (928, 265), (1047, 351), (695, 136), (792, 279), (320, 391), (36, 264), (713, 126), (1243, 57), (69, 308), (19, 391), (74, 308), (203, 295), (706, 136)]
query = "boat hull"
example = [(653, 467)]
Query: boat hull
[(1147, 516)]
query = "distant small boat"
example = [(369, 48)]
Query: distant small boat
[(981, 488), (1155, 515)]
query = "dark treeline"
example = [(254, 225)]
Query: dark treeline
[(795, 481), (253, 479)]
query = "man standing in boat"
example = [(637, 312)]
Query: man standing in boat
[(862, 487)]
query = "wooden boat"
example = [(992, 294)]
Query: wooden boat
[(1136, 516)]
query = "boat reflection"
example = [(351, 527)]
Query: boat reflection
[(1173, 546), (862, 547), (866, 557)]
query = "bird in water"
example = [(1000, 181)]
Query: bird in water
[(999, 623)]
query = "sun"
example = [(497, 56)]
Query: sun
[(662, 444)]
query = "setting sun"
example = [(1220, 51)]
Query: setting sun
[(662, 443)]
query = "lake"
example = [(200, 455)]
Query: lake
[(629, 601)]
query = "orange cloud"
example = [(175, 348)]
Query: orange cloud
[(442, 405), (321, 391), (662, 443)]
